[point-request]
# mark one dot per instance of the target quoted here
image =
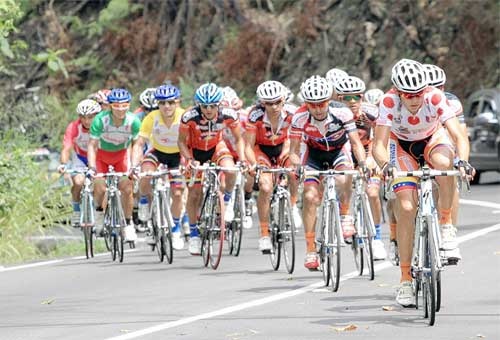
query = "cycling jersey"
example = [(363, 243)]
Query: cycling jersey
[(258, 124), (228, 136), (326, 135), (455, 103), (365, 121), (205, 134), (434, 111), (77, 137), (114, 138), (161, 137)]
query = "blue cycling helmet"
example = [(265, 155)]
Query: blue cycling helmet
[(167, 92), (208, 93), (119, 96)]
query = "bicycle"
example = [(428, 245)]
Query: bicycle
[(211, 222), (160, 214), (114, 216), (87, 218), (281, 225), (234, 229), (426, 263), (365, 227), (328, 229)]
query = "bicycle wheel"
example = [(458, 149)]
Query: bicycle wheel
[(166, 230), (431, 278), (237, 223), (287, 234), (155, 224), (334, 246), (217, 230), (205, 246), (367, 237), (274, 230), (89, 245), (114, 245), (428, 279)]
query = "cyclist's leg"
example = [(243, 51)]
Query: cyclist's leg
[(294, 192), (440, 153), (127, 192), (343, 161), (311, 201), (373, 190), (223, 157), (263, 199)]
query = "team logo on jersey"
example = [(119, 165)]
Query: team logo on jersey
[(187, 116), (255, 115), (334, 127)]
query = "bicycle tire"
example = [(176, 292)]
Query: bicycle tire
[(274, 229), (237, 223), (324, 260), (334, 246), (217, 231), (87, 235), (155, 224), (230, 237), (121, 242), (205, 247), (287, 234), (431, 305), (166, 231), (114, 246), (368, 226)]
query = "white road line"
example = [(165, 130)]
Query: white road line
[(272, 298), (480, 203), (46, 263)]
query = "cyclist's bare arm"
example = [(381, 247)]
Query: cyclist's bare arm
[(455, 132), (137, 148), (295, 151), (183, 147), (357, 146), (249, 145), (380, 143), (240, 144), (65, 153), (92, 152)]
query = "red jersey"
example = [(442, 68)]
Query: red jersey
[(204, 134), (259, 125), (77, 137)]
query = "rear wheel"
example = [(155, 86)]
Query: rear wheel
[(287, 234)]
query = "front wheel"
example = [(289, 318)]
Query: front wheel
[(287, 234), (216, 231), (89, 242), (334, 247), (275, 255)]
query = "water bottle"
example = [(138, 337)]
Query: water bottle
[(143, 209)]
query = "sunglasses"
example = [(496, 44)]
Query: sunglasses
[(318, 105), (166, 102), (120, 106), (348, 98), (209, 106), (275, 103), (407, 95)]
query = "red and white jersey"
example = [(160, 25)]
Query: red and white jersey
[(434, 111), (455, 103), (326, 135), (77, 137)]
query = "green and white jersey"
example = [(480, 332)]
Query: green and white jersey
[(114, 138)]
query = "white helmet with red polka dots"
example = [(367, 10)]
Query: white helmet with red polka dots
[(373, 96), (409, 76), (335, 74)]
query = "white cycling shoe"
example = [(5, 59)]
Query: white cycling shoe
[(378, 248), (177, 241), (405, 295), (194, 246)]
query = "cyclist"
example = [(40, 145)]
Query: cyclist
[(111, 133), (76, 138), (329, 132), (267, 143), (101, 97), (161, 128), (436, 77), (350, 92), (200, 140), (148, 103), (410, 126)]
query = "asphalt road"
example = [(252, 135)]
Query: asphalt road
[(245, 299)]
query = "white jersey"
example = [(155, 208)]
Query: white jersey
[(434, 111)]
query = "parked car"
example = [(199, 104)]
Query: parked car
[(482, 115)]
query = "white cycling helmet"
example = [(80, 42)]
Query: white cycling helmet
[(230, 98), (316, 89), (435, 75), (409, 76), (147, 98), (335, 74), (373, 96), (88, 107), (350, 84), (270, 90)]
